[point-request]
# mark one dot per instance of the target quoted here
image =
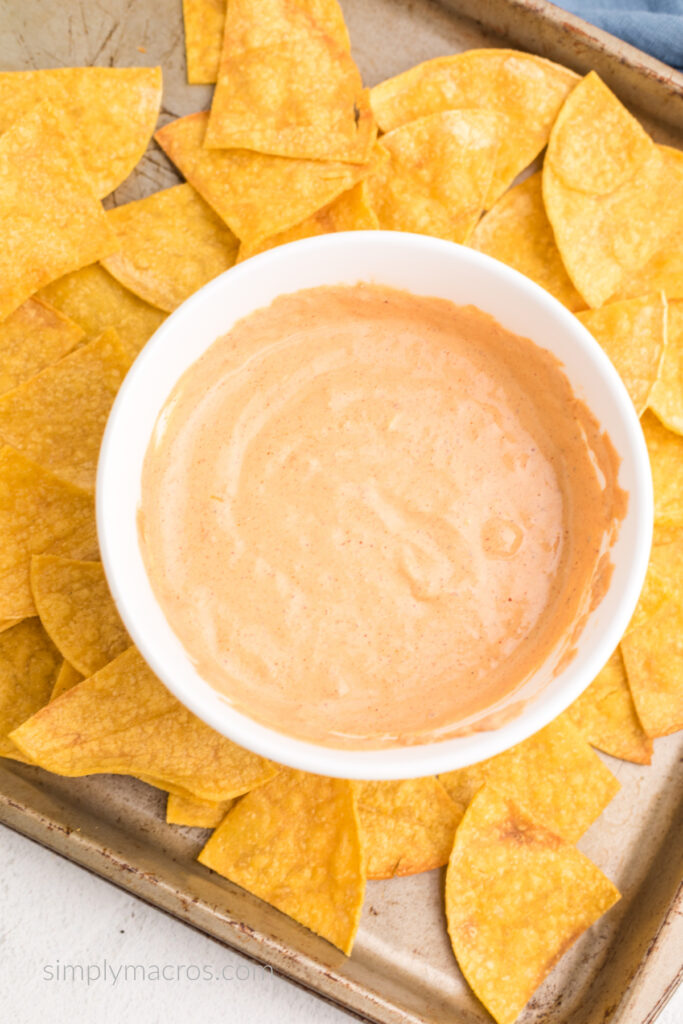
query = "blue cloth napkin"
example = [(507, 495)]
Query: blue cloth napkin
[(655, 26)]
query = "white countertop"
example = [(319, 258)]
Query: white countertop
[(55, 914)]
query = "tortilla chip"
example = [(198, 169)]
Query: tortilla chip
[(8, 623), (350, 212), (666, 397), (109, 114), (525, 90), (124, 721), (93, 299), (256, 195), (57, 418), (406, 827), (295, 844), (29, 662), (38, 513), (195, 813), (31, 338), (172, 243), (437, 173), (656, 591), (288, 85), (517, 897), (609, 193), (516, 231), (204, 22), (633, 334), (666, 458), (606, 716), (554, 774), (50, 220), (66, 678), (78, 612)]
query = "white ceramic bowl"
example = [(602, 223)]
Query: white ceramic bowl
[(422, 265)]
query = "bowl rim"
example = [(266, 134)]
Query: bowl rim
[(395, 762)]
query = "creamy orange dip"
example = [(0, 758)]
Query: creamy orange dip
[(368, 515)]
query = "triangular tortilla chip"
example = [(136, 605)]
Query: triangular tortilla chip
[(527, 91), (195, 813), (295, 844), (256, 195), (50, 219), (666, 397), (666, 458), (29, 663), (57, 418), (78, 612), (33, 336), (172, 243), (204, 22), (109, 114), (66, 678)]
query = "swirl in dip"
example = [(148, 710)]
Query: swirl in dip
[(369, 515)]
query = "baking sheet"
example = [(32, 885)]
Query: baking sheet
[(402, 969)]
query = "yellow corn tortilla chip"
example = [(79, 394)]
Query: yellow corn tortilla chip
[(666, 397), (525, 90), (8, 623), (31, 338), (288, 85), (57, 418), (606, 716), (204, 22), (406, 827), (295, 843), (633, 334), (124, 721), (517, 897), (66, 678), (96, 301), (516, 231), (554, 774), (350, 212), (195, 813), (666, 458), (109, 114), (656, 590), (29, 663), (172, 243), (256, 195), (611, 196), (50, 220), (77, 611), (437, 173), (38, 513)]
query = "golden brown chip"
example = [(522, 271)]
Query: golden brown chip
[(256, 195), (517, 897), (109, 114), (38, 513), (666, 397), (606, 716), (96, 301), (437, 173), (633, 334), (295, 844), (656, 590), (57, 418), (31, 338), (554, 774), (195, 813), (8, 623), (50, 220), (406, 827), (516, 231), (288, 85), (525, 90), (66, 678), (611, 196), (350, 212), (666, 458), (172, 243), (29, 662), (78, 612), (123, 720), (204, 22)]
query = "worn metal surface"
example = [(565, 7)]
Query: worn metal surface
[(402, 970)]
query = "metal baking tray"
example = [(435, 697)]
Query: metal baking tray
[(402, 970)]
